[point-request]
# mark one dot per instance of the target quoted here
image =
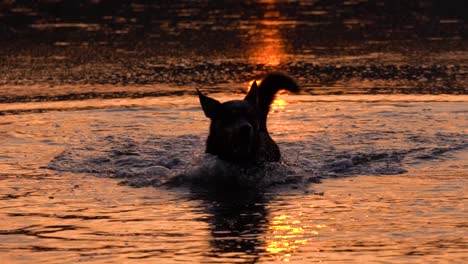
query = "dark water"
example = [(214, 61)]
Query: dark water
[(331, 47), (98, 113)]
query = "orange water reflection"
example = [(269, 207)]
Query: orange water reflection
[(270, 49), (266, 45), (286, 235)]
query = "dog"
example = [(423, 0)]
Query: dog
[(238, 131)]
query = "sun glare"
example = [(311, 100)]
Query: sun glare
[(278, 104), (266, 44), (286, 237), (269, 50)]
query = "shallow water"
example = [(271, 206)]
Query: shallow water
[(102, 136), (58, 203)]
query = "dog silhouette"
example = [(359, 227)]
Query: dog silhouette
[(238, 131)]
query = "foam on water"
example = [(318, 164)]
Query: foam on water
[(166, 161)]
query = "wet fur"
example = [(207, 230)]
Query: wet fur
[(238, 131)]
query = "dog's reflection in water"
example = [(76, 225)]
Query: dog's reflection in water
[(237, 221)]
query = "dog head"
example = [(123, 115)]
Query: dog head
[(234, 126)]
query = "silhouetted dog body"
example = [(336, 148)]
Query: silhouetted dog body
[(238, 131)]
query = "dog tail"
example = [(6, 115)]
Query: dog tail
[(271, 84), (265, 93)]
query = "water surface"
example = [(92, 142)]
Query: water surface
[(98, 112), (393, 185)]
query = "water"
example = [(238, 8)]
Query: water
[(99, 118), (75, 212)]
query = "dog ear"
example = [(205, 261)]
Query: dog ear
[(209, 105), (252, 96)]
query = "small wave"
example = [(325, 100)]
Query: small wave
[(165, 161), (159, 161)]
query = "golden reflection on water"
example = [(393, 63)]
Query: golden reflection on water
[(267, 46), (270, 50), (286, 235)]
